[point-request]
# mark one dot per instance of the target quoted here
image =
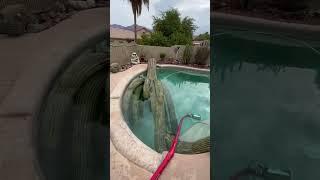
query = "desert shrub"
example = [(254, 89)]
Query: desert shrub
[(154, 39), (202, 55), (202, 37), (162, 56), (187, 54), (178, 38)]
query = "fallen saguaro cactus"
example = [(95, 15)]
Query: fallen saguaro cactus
[(154, 90), (130, 89), (137, 105), (150, 79), (151, 89)]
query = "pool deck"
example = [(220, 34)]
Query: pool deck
[(130, 158), (28, 64)]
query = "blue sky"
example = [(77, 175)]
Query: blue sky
[(121, 12)]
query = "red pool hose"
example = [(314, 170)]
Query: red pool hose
[(170, 154)]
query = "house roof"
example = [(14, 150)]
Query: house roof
[(117, 33), (138, 28)]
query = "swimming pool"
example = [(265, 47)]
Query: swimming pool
[(267, 104), (190, 93)]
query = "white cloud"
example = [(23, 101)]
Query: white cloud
[(193, 5), (121, 12), (198, 10)]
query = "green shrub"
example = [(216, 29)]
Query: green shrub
[(158, 39), (179, 39), (202, 55), (162, 56), (187, 54), (202, 37), (170, 29), (154, 39)]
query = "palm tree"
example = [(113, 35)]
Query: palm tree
[(136, 9)]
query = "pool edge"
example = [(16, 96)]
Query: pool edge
[(121, 135)]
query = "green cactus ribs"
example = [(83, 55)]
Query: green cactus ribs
[(148, 100), (71, 135)]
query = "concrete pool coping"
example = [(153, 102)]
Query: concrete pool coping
[(183, 67), (127, 144), (305, 32)]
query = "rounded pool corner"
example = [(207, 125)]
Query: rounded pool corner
[(122, 135), (189, 91)]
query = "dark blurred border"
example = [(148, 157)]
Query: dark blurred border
[(291, 18)]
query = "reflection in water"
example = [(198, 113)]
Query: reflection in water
[(267, 107), (182, 77), (190, 93)]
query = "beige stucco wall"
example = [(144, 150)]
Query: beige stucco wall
[(118, 42), (121, 53), (194, 51), (154, 51)]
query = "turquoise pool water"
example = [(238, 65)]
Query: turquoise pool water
[(190, 92)]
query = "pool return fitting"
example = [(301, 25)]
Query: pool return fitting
[(172, 149)]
